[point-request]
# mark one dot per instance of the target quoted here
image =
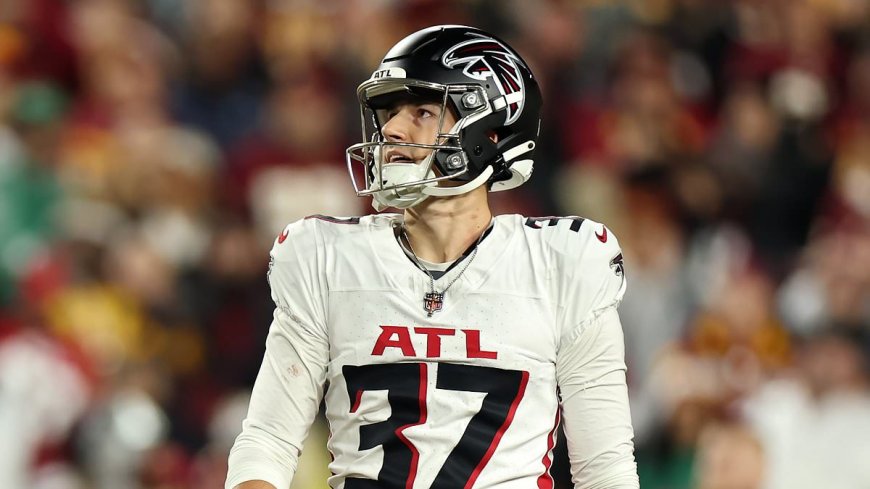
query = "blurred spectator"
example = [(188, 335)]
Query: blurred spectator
[(45, 391), (47, 385), (815, 426), (730, 456), (29, 190), (223, 88), (292, 163), (35, 41), (831, 285)]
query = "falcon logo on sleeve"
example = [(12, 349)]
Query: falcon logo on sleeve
[(618, 265), (484, 58)]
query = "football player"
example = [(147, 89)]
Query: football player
[(450, 343)]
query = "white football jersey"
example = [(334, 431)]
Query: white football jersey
[(468, 397)]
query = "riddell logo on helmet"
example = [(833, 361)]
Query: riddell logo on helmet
[(484, 58)]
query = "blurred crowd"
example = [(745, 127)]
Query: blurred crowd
[(151, 150)]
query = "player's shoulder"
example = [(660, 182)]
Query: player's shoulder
[(321, 230), (584, 256), (568, 237)]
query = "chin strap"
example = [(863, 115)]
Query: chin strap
[(381, 202), (461, 189), (521, 171)]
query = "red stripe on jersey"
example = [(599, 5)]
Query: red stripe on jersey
[(415, 454), (545, 481), (356, 401), (504, 426)]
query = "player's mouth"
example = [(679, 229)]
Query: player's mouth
[(396, 156)]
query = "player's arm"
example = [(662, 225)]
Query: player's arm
[(289, 386), (597, 420), (590, 365)]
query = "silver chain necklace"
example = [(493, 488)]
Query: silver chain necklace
[(433, 300)]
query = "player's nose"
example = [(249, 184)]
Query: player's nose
[(397, 128)]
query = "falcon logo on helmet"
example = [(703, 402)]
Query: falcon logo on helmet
[(484, 58)]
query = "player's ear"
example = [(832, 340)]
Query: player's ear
[(492, 136)]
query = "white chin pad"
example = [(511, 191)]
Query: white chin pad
[(399, 174)]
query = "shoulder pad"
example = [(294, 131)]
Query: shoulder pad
[(573, 236), (586, 265), (313, 228)]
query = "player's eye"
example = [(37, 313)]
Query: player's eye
[(427, 111)]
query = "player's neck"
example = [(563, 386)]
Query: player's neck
[(441, 229)]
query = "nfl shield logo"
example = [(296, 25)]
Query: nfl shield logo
[(433, 302)]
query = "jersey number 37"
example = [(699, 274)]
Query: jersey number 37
[(406, 386)]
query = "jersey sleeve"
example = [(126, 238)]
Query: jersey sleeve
[(594, 397), (592, 278), (289, 386), (590, 363)]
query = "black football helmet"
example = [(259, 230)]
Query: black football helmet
[(484, 83)]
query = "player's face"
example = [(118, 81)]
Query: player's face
[(413, 122)]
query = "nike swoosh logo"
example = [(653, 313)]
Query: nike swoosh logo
[(603, 236), (283, 236)]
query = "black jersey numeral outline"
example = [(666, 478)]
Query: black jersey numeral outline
[(406, 386), (538, 222), (334, 220)]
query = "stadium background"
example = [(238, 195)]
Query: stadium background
[(151, 150)]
